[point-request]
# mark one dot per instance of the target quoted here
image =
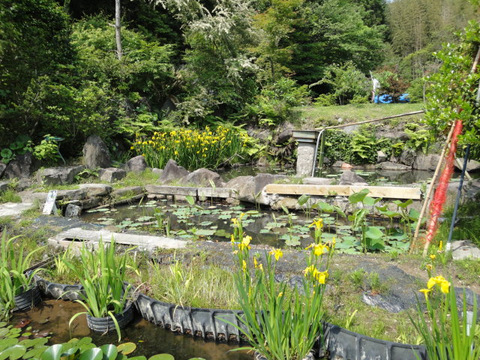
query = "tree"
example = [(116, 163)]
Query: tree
[(454, 88), (333, 31), (275, 26), (218, 74), (34, 43), (419, 27)]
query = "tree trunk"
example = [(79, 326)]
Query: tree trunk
[(118, 36)]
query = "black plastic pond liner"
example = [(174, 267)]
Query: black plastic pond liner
[(59, 291), (344, 344), (106, 324), (207, 323), (27, 299), (216, 324)]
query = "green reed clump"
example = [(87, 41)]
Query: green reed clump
[(278, 322), (14, 278), (193, 149), (102, 273)]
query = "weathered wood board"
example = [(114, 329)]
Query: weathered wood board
[(390, 192), (76, 236)]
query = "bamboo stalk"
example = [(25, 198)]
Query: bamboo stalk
[(430, 189)]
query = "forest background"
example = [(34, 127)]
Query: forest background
[(70, 69)]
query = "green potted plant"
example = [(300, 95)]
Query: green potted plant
[(18, 289), (105, 296)]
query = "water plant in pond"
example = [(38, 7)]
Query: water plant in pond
[(371, 236), (14, 275), (102, 274), (279, 322), (446, 333)]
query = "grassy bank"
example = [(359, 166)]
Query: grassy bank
[(318, 116)]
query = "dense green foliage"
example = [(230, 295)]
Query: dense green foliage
[(197, 63), (454, 90)]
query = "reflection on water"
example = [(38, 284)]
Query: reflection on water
[(54, 315)]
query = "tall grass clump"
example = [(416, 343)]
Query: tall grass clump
[(194, 149), (14, 277), (280, 322)]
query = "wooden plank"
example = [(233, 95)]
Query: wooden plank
[(171, 190), (391, 192), (221, 193), (75, 236)]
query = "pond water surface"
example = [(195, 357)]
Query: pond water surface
[(53, 316)]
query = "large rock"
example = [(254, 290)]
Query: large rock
[(250, 188), (4, 185), (407, 157), (95, 153), (23, 166), (96, 189), (172, 172), (112, 174), (349, 178), (136, 164), (73, 210), (2, 168), (388, 165), (426, 162), (472, 165), (284, 133), (203, 177), (59, 175)]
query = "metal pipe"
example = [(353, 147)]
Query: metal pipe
[(316, 150), (457, 200)]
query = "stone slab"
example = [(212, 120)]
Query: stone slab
[(14, 209), (143, 242)]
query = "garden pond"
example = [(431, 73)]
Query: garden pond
[(52, 318), (213, 222)]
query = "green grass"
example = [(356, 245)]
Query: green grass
[(137, 179), (10, 195), (319, 116)]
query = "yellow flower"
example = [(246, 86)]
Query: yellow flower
[(245, 244), (440, 281), (425, 292), (318, 223), (235, 221), (321, 276), (280, 294), (277, 253), (429, 267), (244, 265), (440, 246), (432, 257), (318, 249), (232, 239), (257, 264)]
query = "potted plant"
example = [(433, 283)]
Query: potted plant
[(105, 296), (18, 289)]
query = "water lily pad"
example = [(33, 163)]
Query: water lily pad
[(127, 348), (109, 352), (161, 357), (92, 354), (206, 223), (5, 343), (204, 232), (13, 353)]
